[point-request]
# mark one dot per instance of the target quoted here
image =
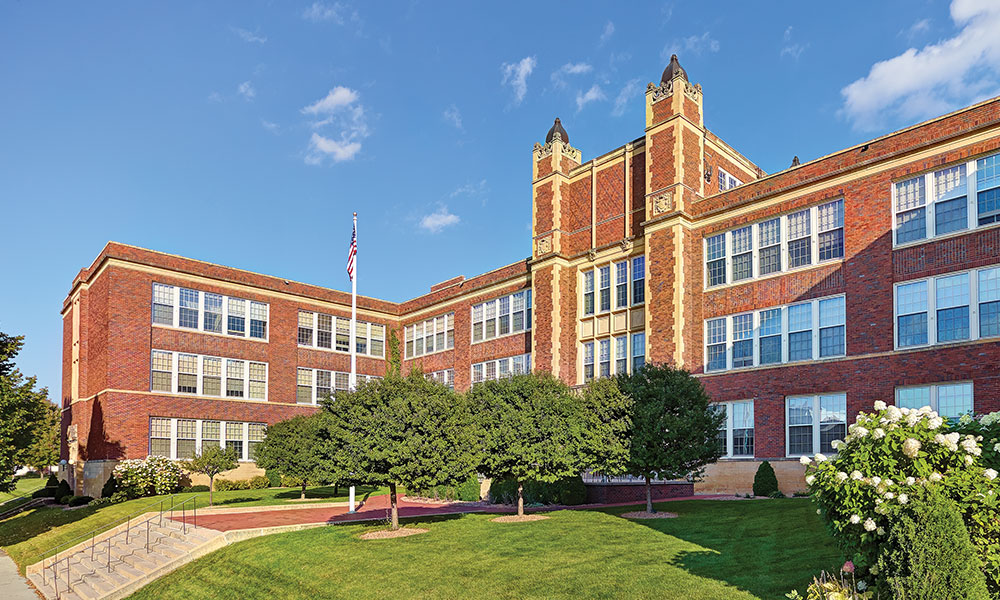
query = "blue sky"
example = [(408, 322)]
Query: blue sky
[(245, 133)]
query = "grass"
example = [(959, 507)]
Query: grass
[(29, 534), (22, 489), (713, 550)]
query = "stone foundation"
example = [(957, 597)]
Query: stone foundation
[(88, 478), (736, 476)]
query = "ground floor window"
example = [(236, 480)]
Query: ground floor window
[(736, 432), (813, 422), (446, 377), (502, 367), (180, 439), (951, 400)]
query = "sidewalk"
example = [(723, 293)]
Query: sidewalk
[(374, 509), (12, 585)]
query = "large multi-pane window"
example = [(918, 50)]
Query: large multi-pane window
[(946, 200), (588, 361), (951, 400), (501, 316), (798, 239), (318, 330), (588, 292), (638, 351), (621, 284), (611, 280), (801, 331), (604, 278), (736, 432), (948, 308), (179, 439), (638, 280), (433, 335), (503, 367), (204, 311), (727, 181), (183, 373), (813, 422), (315, 385), (612, 355), (621, 354), (604, 358), (444, 377)]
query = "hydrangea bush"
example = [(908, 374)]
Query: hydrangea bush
[(885, 455), (987, 426), (147, 476)]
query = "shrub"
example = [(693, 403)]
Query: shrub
[(31, 475), (931, 556), (113, 499), (79, 500), (765, 482), (273, 478), (194, 488), (65, 499), (569, 491), (289, 481), (469, 490), (148, 476), (110, 487), (776, 494), (833, 587), (260, 482), (886, 459), (45, 492), (62, 491), (987, 426), (52, 481), (226, 485)]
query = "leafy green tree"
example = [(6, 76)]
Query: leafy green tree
[(44, 451), (211, 461), (402, 431), (532, 430), (674, 428), (293, 449), (22, 411), (607, 427)]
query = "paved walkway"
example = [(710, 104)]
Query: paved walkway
[(12, 585), (374, 509)]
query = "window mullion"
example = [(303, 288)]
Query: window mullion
[(173, 439), (817, 419), (931, 311), (755, 328), (246, 441), (784, 334), (930, 210), (814, 306), (973, 305)]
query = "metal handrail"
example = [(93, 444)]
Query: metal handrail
[(128, 526)]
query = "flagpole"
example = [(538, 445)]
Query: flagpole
[(352, 382)]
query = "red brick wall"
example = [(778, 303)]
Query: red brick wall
[(613, 494), (660, 150)]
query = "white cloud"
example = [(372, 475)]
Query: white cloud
[(453, 116), (594, 94), (344, 113), (934, 79), (249, 36), (246, 90), (215, 97), (921, 26), (436, 221), (473, 191), (792, 49), (693, 44), (558, 77), (609, 30), (272, 127), (667, 11), (516, 74), (631, 91), (320, 11)]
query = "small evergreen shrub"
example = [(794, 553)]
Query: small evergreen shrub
[(45, 492), (62, 491), (79, 500), (765, 482), (52, 481), (273, 478), (110, 487), (260, 482), (776, 494), (930, 555), (65, 499), (468, 491)]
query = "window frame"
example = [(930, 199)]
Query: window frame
[(930, 284), (817, 421), (496, 304), (368, 337), (334, 387), (933, 394), (201, 312), (498, 372), (410, 331), (200, 375), (728, 426), (244, 426)]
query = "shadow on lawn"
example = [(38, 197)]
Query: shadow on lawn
[(328, 491), (35, 522), (766, 548)]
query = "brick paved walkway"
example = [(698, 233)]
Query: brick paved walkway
[(374, 509)]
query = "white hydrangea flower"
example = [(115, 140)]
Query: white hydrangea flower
[(903, 498), (879, 405), (893, 414), (841, 476), (889, 495), (879, 433), (888, 483), (855, 519), (810, 479), (836, 444), (949, 441), (910, 481), (880, 531), (876, 480), (969, 445), (989, 419), (904, 411), (911, 447), (934, 422), (819, 457), (870, 525), (990, 474), (969, 460), (805, 460), (935, 477), (856, 475), (860, 432), (819, 512), (913, 418)]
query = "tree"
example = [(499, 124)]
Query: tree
[(402, 431), (293, 449), (532, 429), (22, 410), (674, 428), (211, 461), (607, 427), (44, 451)]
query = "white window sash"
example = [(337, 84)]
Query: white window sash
[(973, 276)]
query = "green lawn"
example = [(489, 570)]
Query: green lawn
[(23, 489), (718, 550), (27, 535)]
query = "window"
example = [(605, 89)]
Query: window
[(187, 434), (948, 308), (911, 220), (951, 400), (736, 433), (813, 422), (716, 339), (605, 281), (911, 311), (314, 385), (621, 355), (163, 304), (769, 236), (438, 334), (722, 439), (831, 230), (604, 356), (952, 304), (727, 181), (162, 366), (213, 313), (638, 280), (988, 186), (211, 376), (234, 378), (256, 437), (588, 292), (496, 318), (588, 361), (159, 437), (187, 374), (802, 331), (445, 377), (504, 367), (234, 438), (316, 329), (638, 351), (989, 302), (188, 316), (621, 285), (799, 240), (742, 253), (258, 320), (179, 439), (715, 247), (237, 317), (304, 387), (324, 384), (258, 380), (211, 433)]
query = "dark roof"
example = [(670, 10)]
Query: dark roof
[(672, 70), (557, 126)]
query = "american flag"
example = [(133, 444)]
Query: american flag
[(352, 253)]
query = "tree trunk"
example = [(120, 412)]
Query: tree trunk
[(336, 489), (395, 509), (649, 496), (302, 494), (211, 489), (520, 499)]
